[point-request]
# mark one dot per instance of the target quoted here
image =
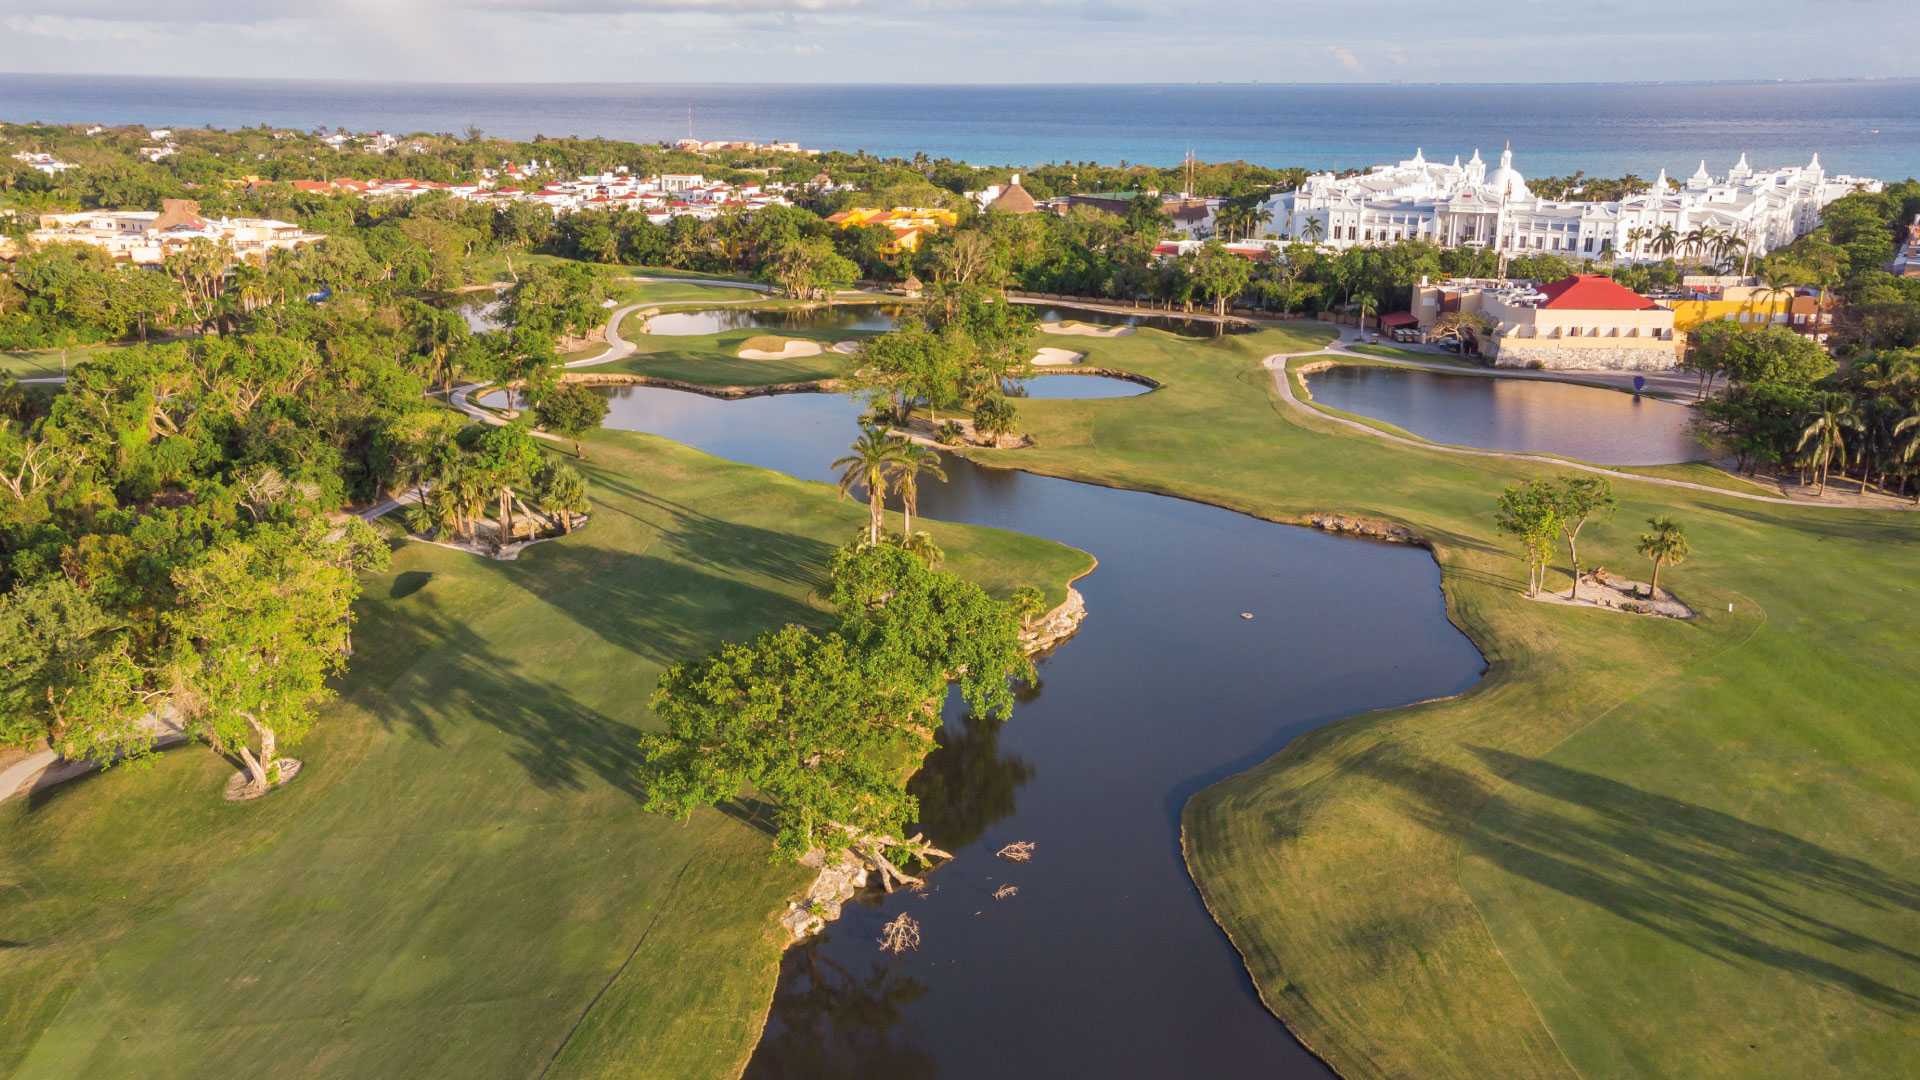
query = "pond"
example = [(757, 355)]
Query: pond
[(1081, 387), (1170, 322), (1106, 962), (868, 318), (484, 315), (1605, 427)]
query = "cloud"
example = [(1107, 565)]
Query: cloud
[(1344, 56)]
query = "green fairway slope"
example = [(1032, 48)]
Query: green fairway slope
[(1639, 847), (460, 882)]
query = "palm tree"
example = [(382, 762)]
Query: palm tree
[(1313, 230), (1779, 282), (1634, 236), (1666, 545), (912, 460), (1910, 447), (921, 544), (1367, 307), (874, 457), (1827, 433), (1666, 240)]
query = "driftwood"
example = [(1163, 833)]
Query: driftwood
[(1018, 851), (901, 934), (1006, 892), (872, 849)]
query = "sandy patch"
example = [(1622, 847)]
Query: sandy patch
[(1080, 329), (793, 349), (847, 348), (1615, 593), (1057, 357)]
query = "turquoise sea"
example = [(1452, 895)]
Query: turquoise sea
[(1868, 128)]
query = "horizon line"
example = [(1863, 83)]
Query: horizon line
[(1360, 83)]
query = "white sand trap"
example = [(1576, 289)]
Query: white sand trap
[(847, 348), (791, 350), (1080, 329), (1057, 357)]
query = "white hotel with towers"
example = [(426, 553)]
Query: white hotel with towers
[(1465, 205)]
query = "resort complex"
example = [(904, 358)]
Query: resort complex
[(147, 237), (699, 610), (1456, 205)]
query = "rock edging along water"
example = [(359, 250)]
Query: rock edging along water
[(841, 880), (1389, 532)]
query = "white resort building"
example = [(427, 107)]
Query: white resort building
[(145, 237), (1465, 205)]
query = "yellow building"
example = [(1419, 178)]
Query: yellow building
[(908, 224), (1749, 304)]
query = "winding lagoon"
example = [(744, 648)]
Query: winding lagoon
[(1105, 962), (1604, 427)]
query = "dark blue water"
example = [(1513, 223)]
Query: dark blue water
[(1104, 963), (1869, 128)]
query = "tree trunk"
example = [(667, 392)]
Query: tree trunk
[(1653, 589), (1573, 556), (506, 517)]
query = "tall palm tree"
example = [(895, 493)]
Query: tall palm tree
[(1313, 230), (1367, 307), (1666, 545), (1909, 448), (912, 460), (1634, 236), (1827, 434), (1666, 240), (871, 463)]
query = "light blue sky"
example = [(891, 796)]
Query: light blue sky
[(943, 41)]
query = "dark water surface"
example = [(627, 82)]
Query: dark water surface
[(1171, 323), (867, 318), (1606, 129), (1105, 963), (1079, 387), (1604, 427)]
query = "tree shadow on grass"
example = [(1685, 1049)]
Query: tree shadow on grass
[(658, 610), (716, 543), (1726, 888)]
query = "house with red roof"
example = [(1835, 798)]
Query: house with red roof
[(1583, 322)]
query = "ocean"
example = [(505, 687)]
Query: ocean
[(1864, 128)]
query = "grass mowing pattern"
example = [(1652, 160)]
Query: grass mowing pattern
[(1638, 847), (462, 868)]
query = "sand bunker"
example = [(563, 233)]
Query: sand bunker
[(1080, 329), (1057, 357), (792, 349), (846, 348), (1615, 593)]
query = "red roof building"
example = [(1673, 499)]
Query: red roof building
[(1593, 292)]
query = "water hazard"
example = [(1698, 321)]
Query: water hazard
[(1605, 427), (1104, 962)]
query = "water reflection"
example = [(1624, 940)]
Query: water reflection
[(855, 318), (1172, 323), (835, 1023), (1606, 427), (1076, 387)]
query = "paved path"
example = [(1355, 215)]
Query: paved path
[(1277, 364)]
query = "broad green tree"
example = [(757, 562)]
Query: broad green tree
[(1577, 500), (1529, 512), (570, 410)]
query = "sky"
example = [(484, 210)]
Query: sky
[(964, 41)]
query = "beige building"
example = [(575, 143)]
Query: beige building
[(1586, 321), (145, 237)]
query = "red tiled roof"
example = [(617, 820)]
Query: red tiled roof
[(1593, 292), (1399, 318)]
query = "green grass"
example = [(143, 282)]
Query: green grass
[(714, 359), (462, 872), (1638, 847), (45, 363)]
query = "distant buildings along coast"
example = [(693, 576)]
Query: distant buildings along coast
[(1460, 205)]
